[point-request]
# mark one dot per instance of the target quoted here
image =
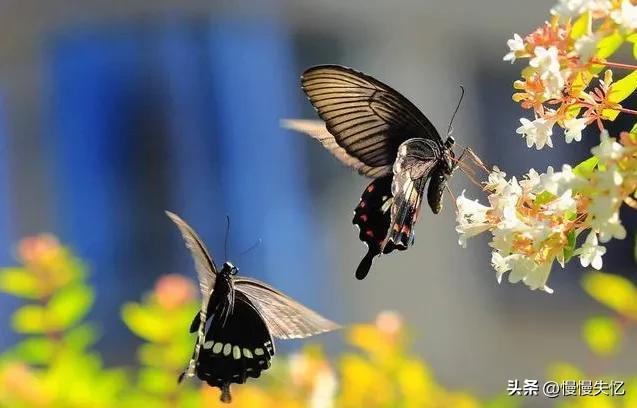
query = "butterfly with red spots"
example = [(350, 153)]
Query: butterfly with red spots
[(375, 130)]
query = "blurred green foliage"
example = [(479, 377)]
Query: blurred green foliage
[(603, 336), (54, 364)]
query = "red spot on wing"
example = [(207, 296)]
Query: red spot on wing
[(363, 217), (362, 204), (369, 233), (370, 188)]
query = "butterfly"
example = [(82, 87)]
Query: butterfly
[(375, 130), (245, 315)]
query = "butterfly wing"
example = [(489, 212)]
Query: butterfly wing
[(414, 164), (367, 118), (372, 216), (317, 130), (206, 272), (284, 316), (236, 347)]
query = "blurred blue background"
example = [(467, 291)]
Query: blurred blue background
[(112, 113)]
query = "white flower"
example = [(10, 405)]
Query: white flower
[(516, 44), (472, 219), (570, 180), (531, 181), (626, 15), (573, 8), (533, 275), (497, 181), (537, 133), (574, 129), (590, 253), (563, 203), (608, 149), (553, 83), (545, 59), (586, 46), (610, 228), (500, 264)]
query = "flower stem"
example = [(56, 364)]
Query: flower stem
[(629, 111), (615, 64)]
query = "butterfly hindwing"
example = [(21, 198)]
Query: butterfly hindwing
[(372, 216), (285, 317), (367, 118), (414, 164), (236, 347)]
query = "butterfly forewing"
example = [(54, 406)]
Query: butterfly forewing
[(317, 130), (206, 272), (367, 118), (285, 317)]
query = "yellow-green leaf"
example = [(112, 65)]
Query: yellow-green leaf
[(157, 381), (29, 319), (19, 282), (35, 350), (581, 26), (544, 197), (602, 334), (569, 249), (613, 291), (81, 337), (70, 305), (623, 88), (585, 169), (145, 322), (608, 45), (563, 371)]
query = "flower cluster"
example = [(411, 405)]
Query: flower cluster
[(537, 220), (561, 84)]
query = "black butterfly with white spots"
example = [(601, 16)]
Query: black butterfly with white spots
[(375, 130), (245, 315)]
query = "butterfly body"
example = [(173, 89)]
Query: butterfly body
[(244, 316), (375, 130)]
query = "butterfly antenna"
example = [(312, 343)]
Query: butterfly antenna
[(225, 241), (450, 129), (253, 246)]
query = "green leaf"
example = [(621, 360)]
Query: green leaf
[(146, 322), (622, 89), (581, 26), (602, 334), (29, 319), (564, 371), (157, 381), (19, 282), (70, 305), (81, 337), (569, 249), (633, 39), (585, 169), (613, 291), (35, 350), (608, 45), (619, 91), (544, 197)]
